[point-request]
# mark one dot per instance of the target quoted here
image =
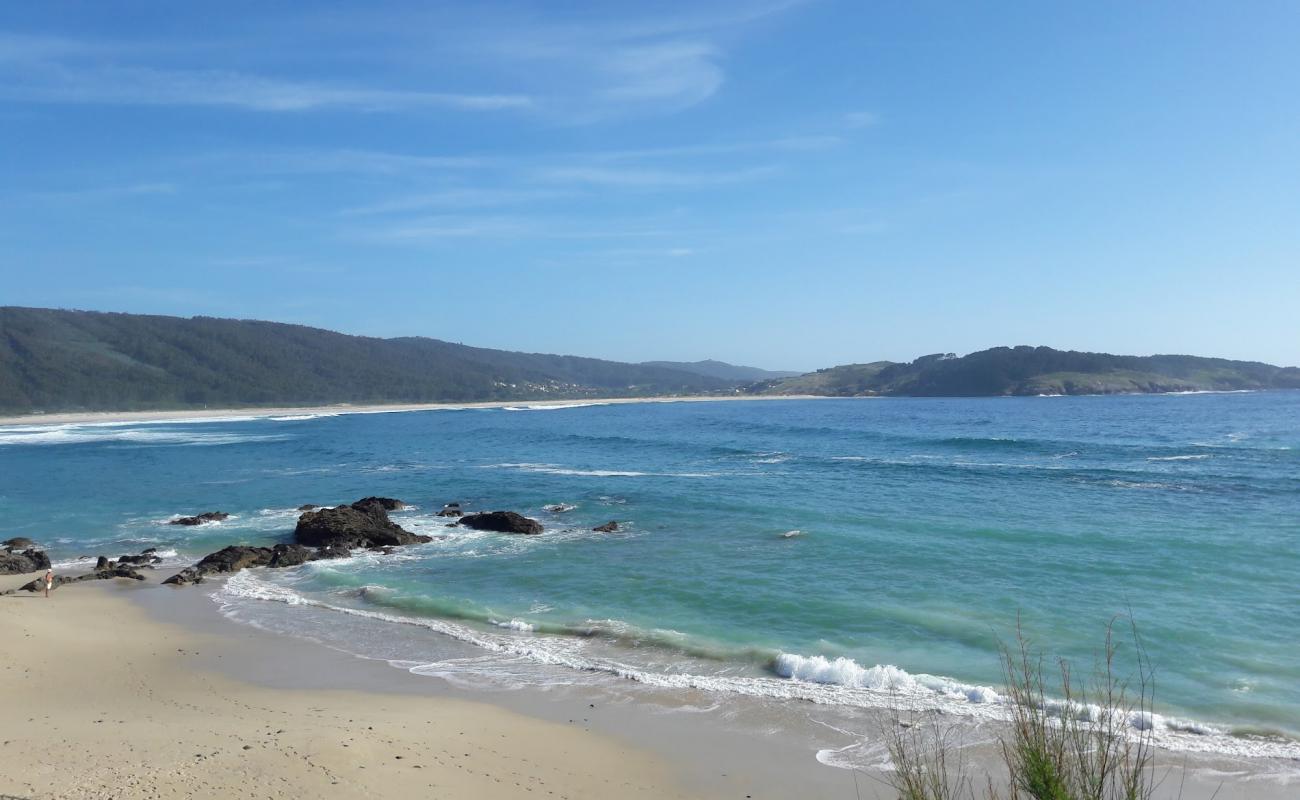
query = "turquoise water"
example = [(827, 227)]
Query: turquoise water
[(925, 526)]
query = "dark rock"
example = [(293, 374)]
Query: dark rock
[(386, 503), (143, 558), (38, 585), (18, 543), (186, 576), (148, 551), (290, 555), (234, 558), (16, 563), (608, 527), (200, 519), (308, 507), (365, 523), (451, 510), (101, 563), (333, 551), (502, 521), (559, 508)]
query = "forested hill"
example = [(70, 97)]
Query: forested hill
[(52, 360), (723, 370), (1036, 371)]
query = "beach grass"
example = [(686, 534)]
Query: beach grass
[(1068, 738)]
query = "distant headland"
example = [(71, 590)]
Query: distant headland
[(63, 361)]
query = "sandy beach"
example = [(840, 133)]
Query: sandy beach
[(102, 701), (106, 697), (113, 417)]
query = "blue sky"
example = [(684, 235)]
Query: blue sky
[(787, 184)]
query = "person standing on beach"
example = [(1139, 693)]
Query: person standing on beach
[(49, 581)]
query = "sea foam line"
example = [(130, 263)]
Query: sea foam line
[(813, 679)]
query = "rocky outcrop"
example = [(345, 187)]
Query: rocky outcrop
[(18, 543), (291, 555), (608, 527), (502, 521), (386, 503), (17, 563), (38, 585), (201, 519), (308, 507), (451, 510), (363, 524)]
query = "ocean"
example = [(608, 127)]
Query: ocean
[(847, 552)]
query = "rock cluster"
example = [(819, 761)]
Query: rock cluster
[(321, 533), (18, 562), (124, 567), (201, 519)]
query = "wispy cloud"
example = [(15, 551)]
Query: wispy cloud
[(93, 193), (860, 119), (440, 228), (341, 161), (113, 85), (648, 178), (38, 69), (783, 144), (457, 198)]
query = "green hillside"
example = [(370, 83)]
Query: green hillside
[(1034, 371), (724, 371), (53, 360)]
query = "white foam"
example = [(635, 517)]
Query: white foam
[(45, 435), (791, 534), (299, 417), (551, 406), (556, 469), (559, 508), (514, 625), (1197, 457), (816, 679)]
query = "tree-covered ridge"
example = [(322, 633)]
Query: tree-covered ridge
[(52, 360), (1036, 371)]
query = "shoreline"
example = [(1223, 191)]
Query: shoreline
[(215, 414), (161, 716), (195, 703)]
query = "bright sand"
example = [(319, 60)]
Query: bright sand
[(110, 417), (104, 696), (101, 700)]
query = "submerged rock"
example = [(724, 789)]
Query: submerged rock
[(18, 543), (559, 508), (608, 527), (17, 563), (503, 522), (201, 519), (451, 510)]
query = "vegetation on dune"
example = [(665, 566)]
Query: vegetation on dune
[(1092, 741)]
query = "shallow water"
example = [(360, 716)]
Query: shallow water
[(925, 526)]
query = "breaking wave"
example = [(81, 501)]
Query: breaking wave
[(791, 677)]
